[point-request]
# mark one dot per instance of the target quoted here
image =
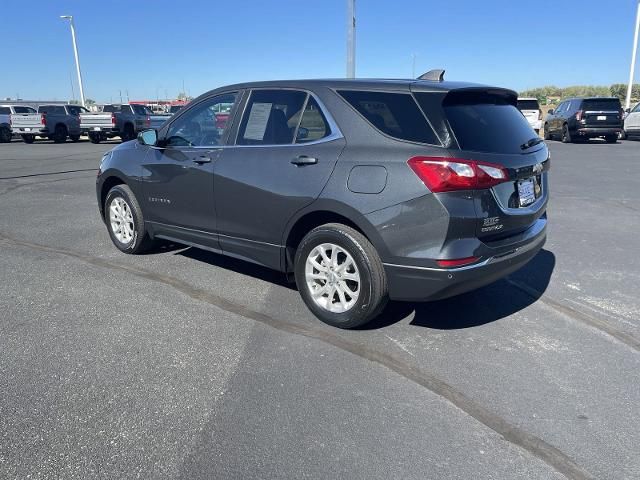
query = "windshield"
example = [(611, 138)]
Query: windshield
[(602, 105), (486, 122), (528, 105)]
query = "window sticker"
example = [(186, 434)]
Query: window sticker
[(257, 123)]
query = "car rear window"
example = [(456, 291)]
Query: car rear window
[(528, 105), (141, 110), (24, 110), (52, 109), (394, 114), (486, 122), (5, 110), (602, 105)]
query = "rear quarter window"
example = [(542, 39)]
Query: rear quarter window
[(486, 122), (394, 114)]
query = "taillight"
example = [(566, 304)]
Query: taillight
[(458, 262), (441, 174), (43, 119), (579, 115), (113, 119)]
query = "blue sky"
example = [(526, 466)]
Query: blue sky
[(150, 47)]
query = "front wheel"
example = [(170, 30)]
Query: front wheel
[(125, 222), (60, 134), (74, 138), (340, 276), (28, 138), (566, 135), (547, 133)]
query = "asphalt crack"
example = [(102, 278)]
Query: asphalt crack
[(536, 446)]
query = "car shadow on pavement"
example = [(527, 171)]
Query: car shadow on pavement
[(479, 307)]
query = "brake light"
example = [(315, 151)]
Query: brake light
[(459, 262), (442, 174), (113, 119), (579, 115), (43, 119)]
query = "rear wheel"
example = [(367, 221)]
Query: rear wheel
[(5, 135), (60, 134), (611, 138), (566, 135), (547, 133), (125, 222), (74, 138), (95, 137), (28, 138), (340, 276), (622, 135)]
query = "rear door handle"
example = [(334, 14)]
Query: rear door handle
[(201, 160), (304, 160)]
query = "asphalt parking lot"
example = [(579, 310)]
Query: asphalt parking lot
[(184, 364)]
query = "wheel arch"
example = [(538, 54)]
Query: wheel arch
[(108, 183)]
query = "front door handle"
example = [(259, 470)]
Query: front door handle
[(304, 160), (201, 160)]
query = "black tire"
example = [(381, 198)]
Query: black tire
[(566, 134), (623, 135), (128, 133), (95, 137), (60, 134), (5, 135), (547, 133), (372, 295), (140, 240), (611, 138), (28, 138), (74, 138)]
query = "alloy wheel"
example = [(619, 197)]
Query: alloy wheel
[(121, 220)]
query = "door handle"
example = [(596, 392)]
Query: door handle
[(202, 159), (304, 160)]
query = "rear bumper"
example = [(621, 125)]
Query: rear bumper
[(598, 131), (415, 283), (99, 129), (29, 131)]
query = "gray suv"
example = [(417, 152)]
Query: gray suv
[(360, 190)]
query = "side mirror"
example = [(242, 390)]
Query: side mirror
[(302, 133), (148, 137), (550, 112), (627, 110)]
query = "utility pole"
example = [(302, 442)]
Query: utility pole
[(633, 59), (73, 93), (120, 96), (413, 65), (75, 53), (351, 38)]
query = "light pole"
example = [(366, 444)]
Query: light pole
[(75, 52), (351, 38), (633, 58)]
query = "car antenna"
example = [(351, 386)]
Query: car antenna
[(436, 75)]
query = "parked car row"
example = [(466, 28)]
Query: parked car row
[(582, 118), (59, 122)]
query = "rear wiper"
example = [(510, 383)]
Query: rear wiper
[(530, 143)]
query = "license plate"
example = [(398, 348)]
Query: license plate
[(526, 192), (27, 129), (602, 117), (96, 129)]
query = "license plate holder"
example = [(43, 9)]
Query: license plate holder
[(27, 129), (601, 117), (526, 191), (96, 129)]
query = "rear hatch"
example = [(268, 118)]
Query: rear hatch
[(96, 121), (602, 112), (490, 130)]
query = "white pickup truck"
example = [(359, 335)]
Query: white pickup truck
[(124, 121), (5, 119), (56, 122)]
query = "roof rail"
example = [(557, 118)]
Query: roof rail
[(436, 75)]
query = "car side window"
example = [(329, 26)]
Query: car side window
[(203, 125), (5, 110), (636, 109), (560, 108), (313, 125), (271, 117)]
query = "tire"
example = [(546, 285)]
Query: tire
[(547, 133), (566, 135), (128, 133), (60, 134), (5, 135), (74, 138), (28, 138), (362, 263), (537, 130), (94, 137), (134, 238), (611, 138)]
